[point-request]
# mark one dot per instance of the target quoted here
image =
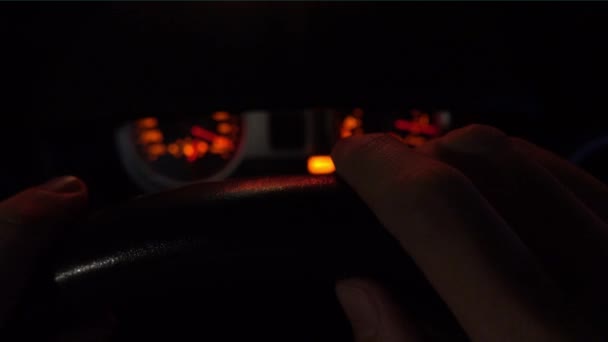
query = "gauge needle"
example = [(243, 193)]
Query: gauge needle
[(405, 125), (200, 132)]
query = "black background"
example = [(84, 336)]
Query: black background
[(71, 72)]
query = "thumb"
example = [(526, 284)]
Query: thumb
[(373, 315), (28, 223)]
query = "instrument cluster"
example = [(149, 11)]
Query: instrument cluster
[(165, 152)]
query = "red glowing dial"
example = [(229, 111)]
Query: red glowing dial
[(189, 149)]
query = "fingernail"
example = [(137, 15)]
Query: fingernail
[(361, 311), (65, 185)]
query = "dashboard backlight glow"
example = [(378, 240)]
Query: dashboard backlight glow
[(414, 140), (156, 150), (320, 165), (224, 128), (189, 152), (200, 132), (221, 116), (416, 127), (151, 136), (147, 123), (352, 124), (202, 147), (174, 150), (221, 145)]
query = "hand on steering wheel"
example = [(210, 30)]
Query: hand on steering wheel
[(29, 223), (511, 237)]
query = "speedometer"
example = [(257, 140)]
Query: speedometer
[(168, 152)]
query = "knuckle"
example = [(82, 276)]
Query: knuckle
[(476, 138), (484, 134), (520, 142)]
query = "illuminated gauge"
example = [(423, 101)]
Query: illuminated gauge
[(417, 127), (413, 127), (346, 124), (169, 152)]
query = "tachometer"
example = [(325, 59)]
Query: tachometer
[(414, 127), (174, 152)]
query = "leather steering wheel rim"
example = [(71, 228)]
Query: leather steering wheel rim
[(297, 231)]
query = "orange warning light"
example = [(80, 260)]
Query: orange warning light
[(320, 165)]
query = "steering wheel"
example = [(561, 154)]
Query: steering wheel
[(232, 260)]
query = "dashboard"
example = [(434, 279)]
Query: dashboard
[(137, 98), (159, 153), (141, 98), (120, 159), (163, 153)]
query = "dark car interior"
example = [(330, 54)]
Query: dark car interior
[(219, 118)]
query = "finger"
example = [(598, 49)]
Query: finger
[(28, 222), (587, 188), (566, 235), (480, 268), (374, 316)]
